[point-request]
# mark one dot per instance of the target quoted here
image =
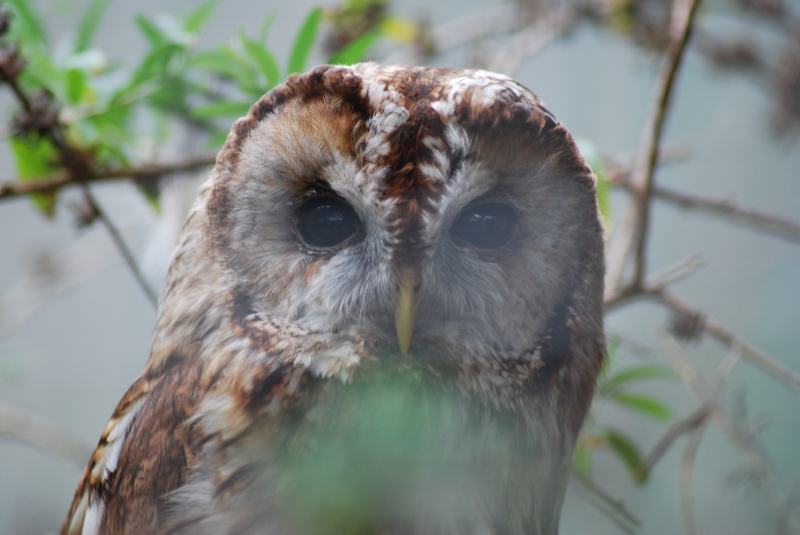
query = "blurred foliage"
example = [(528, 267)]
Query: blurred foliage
[(594, 159), (356, 24), (111, 113), (614, 386)]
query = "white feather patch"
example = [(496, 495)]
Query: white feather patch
[(93, 517)]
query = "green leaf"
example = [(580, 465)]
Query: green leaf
[(151, 31), (27, 23), (633, 374), (216, 140), (238, 69), (88, 26), (264, 59), (582, 458), (594, 159), (305, 41), (356, 49), (42, 72), (628, 453), (166, 30), (265, 26), (643, 403), (217, 62), (198, 18), (35, 158), (76, 85), (223, 108)]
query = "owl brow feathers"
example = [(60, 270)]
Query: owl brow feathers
[(424, 104)]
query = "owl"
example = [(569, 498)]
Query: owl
[(383, 316)]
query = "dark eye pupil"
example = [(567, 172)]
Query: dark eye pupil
[(325, 222), (486, 226)]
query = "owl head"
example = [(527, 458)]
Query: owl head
[(439, 215)]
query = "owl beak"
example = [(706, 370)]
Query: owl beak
[(404, 313)]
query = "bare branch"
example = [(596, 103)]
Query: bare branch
[(696, 419), (16, 188), (121, 246), (727, 424), (21, 425), (781, 227), (530, 40), (706, 323), (633, 235), (728, 338), (685, 477), (677, 429), (607, 504), (676, 272), (724, 369)]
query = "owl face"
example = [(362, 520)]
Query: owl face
[(348, 188)]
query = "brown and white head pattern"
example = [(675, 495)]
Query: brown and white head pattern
[(362, 222)]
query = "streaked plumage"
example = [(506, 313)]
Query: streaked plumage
[(268, 346)]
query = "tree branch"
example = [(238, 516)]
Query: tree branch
[(633, 235), (728, 338), (530, 40), (696, 419), (121, 246), (706, 323), (16, 188), (608, 505), (757, 220), (685, 476), (677, 429), (21, 425), (739, 435)]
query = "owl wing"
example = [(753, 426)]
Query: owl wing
[(142, 455)]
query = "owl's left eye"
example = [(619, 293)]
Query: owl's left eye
[(487, 226), (324, 222)]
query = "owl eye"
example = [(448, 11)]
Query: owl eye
[(485, 226), (324, 222)]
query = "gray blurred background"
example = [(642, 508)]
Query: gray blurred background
[(76, 327)]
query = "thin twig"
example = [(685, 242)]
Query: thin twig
[(16, 188), (677, 429), (529, 41), (696, 418), (728, 338), (21, 425), (727, 424), (676, 272), (685, 476), (725, 368), (707, 324), (607, 504), (121, 246), (633, 235), (757, 220)]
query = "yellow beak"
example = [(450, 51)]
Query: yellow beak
[(404, 313)]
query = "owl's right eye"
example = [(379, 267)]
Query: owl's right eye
[(325, 222)]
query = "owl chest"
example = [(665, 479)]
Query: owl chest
[(385, 454)]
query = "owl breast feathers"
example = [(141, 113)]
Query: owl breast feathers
[(384, 315)]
